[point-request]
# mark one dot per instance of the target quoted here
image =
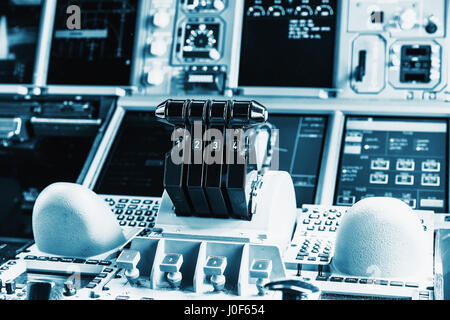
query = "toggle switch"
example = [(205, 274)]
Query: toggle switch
[(171, 265), (128, 260), (432, 24), (261, 269), (214, 268), (69, 289), (10, 286)]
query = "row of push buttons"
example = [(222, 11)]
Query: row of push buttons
[(423, 294), (368, 281), (99, 278), (69, 260)]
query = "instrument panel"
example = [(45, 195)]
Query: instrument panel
[(323, 48), (357, 96)]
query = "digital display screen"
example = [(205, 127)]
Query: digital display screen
[(288, 43), (301, 140), (394, 157), (101, 52), (135, 163), (19, 29)]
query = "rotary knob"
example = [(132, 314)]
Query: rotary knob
[(431, 26), (407, 19), (10, 286), (161, 19), (69, 288)]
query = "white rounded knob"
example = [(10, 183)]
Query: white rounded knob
[(395, 61), (161, 19), (375, 239), (158, 48), (408, 19), (219, 5), (214, 54), (155, 77)]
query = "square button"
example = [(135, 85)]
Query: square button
[(261, 268), (215, 265), (171, 263), (128, 259)]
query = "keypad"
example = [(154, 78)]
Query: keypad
[(316, 220), (314, 239), (315, 249), (135, 211)]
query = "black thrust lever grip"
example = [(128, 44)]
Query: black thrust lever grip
[(197, 117), (210, 189), (175, 173), (215, 171)]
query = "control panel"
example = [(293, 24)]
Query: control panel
[(323, 48), (405, 44), (352, 104), (186, 47), (157, 267), (151, 269), (355, 48)]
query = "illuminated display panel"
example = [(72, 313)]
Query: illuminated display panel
[(288, 44), (403, 158)]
